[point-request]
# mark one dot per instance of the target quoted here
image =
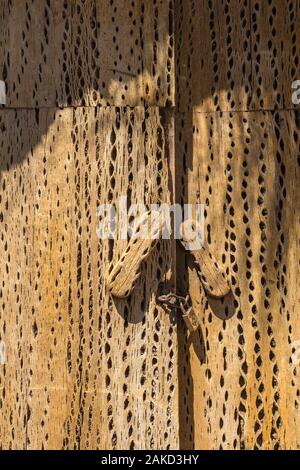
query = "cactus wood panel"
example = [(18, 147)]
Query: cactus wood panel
[(236, 54), (87, 52), (86, 371), (82, 370), (242, 384)]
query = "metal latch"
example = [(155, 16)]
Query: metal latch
[(182, 304)]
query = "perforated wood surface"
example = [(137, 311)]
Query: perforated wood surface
[(244, 388), (87, 52), (236, 54), (239, 156), (82, 370)]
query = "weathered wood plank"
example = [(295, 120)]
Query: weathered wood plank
[(83, 371), (275, 53), (16, 243), (86, 52), (213, 44), (245, 385), (236, 55)]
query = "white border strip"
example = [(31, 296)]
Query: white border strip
[(2, 93)]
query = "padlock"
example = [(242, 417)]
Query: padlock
[(177, 302), (189, 316)]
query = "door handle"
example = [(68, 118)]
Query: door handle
[(210, 274), (208, 269), (126, 272)]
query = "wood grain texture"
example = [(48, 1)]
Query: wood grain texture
[(90, 117), (83, 371), (123, 275), (212, 278), (236, 55), (237, 141), (87, 52), (244, 385), (275, 52), (80, 370)]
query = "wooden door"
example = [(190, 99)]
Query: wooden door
[(87, 84), (237, 141), (97, 94)]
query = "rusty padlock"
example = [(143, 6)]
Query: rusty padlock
[(178, 302), (189, 316)]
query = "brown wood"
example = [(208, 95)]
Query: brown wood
[(161, 101), (211, 276), (87, 52), (245, 374), (126, 271), (83, 371), (239, 157)]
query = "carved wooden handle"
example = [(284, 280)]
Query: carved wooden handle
[(212, 278), (147, 232), (122, 278)]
